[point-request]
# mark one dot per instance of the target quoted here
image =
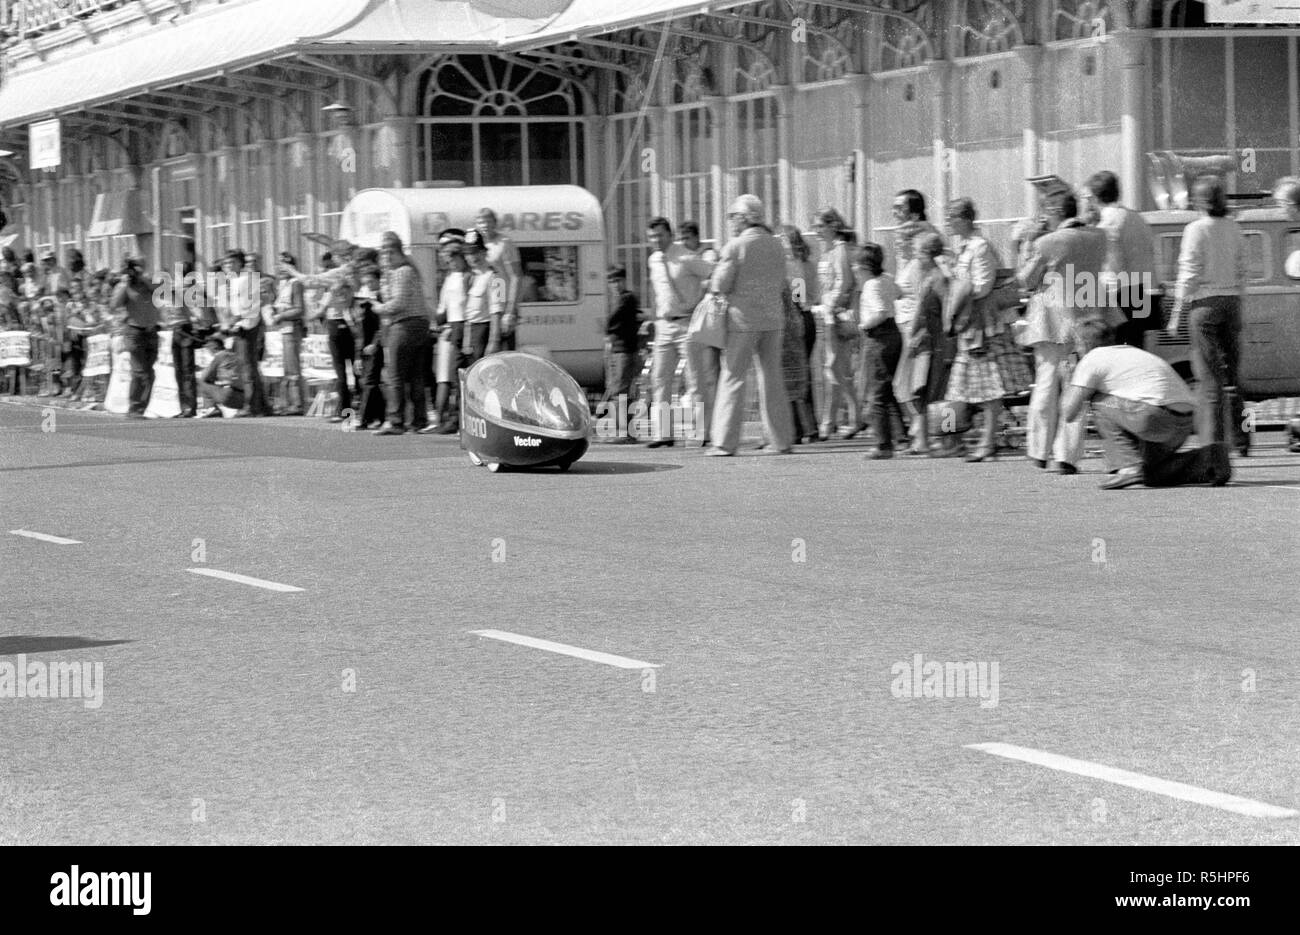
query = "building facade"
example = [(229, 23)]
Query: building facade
[(189, 126)]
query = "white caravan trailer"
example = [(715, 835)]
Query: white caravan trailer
[(560, 234)]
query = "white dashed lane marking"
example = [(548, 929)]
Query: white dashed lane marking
[(43, 537), (1122, 777), (591, 655), (243, 579)]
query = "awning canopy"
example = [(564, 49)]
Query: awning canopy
[(430, 25), (232, 35), (235, 35), (592, 17)]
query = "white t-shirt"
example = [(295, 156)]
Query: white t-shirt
[(453, 297), (1133, 374), (486, 297)]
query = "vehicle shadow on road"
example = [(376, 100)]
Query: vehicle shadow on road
[(13, 645), (603, 467)]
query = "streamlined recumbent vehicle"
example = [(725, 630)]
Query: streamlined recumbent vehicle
[(519, 410)]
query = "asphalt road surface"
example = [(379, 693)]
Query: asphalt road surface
[(759, 616)]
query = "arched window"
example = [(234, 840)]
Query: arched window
[(1081, 19), (488, 120), (991, 26)]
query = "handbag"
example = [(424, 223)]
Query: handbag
[(708, 325), (846, 330)]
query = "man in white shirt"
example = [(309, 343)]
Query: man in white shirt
[(239, 305), (1143, 412), (1131, 256), (677, 283), (503, 257)]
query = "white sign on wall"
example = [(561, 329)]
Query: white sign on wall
[(45, 144), (1252, 11)]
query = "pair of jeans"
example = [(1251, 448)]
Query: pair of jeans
[(404, 349), (744, 349), (838, 381), (183, 342), (1140, 434), (372, 391), (881, 348), (704, 366), (619, 371), (671, 347), (250, 372), (1047, 435), (291, 342), (142, 345), (479, 332), (343, 351), (1215, 329), (232, 397)]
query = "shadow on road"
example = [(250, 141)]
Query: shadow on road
[(601, 467), (13, 645)]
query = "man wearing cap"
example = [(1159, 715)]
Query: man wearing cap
[(751, 277), (1063, 265), (621, 331), (133, 309), (289, 317), (239, 304), (337, 281), (219, 382), (485, 302), (503, 257), (677, 283), (453, 298), (178, 319), (405, 315)]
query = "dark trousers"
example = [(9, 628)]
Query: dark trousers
[(232, 397), (372, 389), (73, 360), (183, 364), (343, 351), (809, 342), (881, 348), (1135, 433), (142, 345), (430, 357), (404, 377), (456, 338), (1214, 326), (478, 342), (620, 369), (250, 373), (507, 341)]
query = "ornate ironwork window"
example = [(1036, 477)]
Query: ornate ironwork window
[(490, 120)]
